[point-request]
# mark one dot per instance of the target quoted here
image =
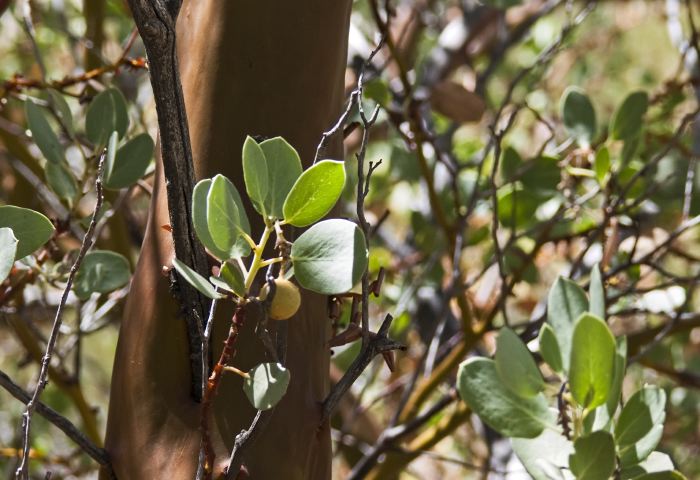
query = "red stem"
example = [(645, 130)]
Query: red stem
[(213, 385)]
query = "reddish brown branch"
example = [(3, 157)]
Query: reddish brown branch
[(213, 385)]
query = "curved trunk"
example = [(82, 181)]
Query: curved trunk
[(268, 68)]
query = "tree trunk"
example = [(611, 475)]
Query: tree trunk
[(269, 67)]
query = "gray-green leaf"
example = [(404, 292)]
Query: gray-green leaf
[(196, 280), (540, 455), (314, 193), (130, 162), (644, 410), (255, 174), (61, 180), (515, 365), (199, 218), (31, 228), (226, 218), (592, 361), (43, 135), (101, 271), (62, 109), (627, 121), (549, 348), (266, 385), (8, 248), (233, 276), (578, 115), (566, 302), (330, 257), (593, 457), (479, 386), (107, 113), (283, 169)]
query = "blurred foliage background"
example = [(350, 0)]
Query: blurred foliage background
[(470, 129)]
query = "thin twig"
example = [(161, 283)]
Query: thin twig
[(98, 454), (22, 472)]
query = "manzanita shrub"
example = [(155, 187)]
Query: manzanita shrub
[(328, 258), (567, 418)]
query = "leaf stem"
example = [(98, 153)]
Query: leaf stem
[(258, 262)]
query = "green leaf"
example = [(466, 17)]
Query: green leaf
[(597, 293), (8, 249), (314, 193), (42, 134), (593, 457), (232, 275), (566, 302), (627, 121), (670, 475), (130, 162), (510, 415), (101, 271), (226, 218), (515, 365), (510, 164), (62, 110), (549, 348), (578, 115), (61, 180), (31, 228), (266, 385), (592, 361), (601, 164), (196, 280), (107, 113), (199, 218), (543, 454), (283, 169), (330, 257), (644, 410), (255, 174), (618, 376)]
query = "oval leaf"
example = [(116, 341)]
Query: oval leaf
[(314, 193), (62, 110), (199, 218), (641, 413), (549, 348), (43, 135), (233, 276), (31, 228), (61, 180), (255, 174), (566, 302), (593, 457), (515, 365), (196, 280), (226, 218), (541, 455), (266, 385), (107, 113), (101, 271), (627, 121), (330, 257), (8, 249), (592, 361), (510, 415), (578, 115), (283, 169), (130, 162)]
